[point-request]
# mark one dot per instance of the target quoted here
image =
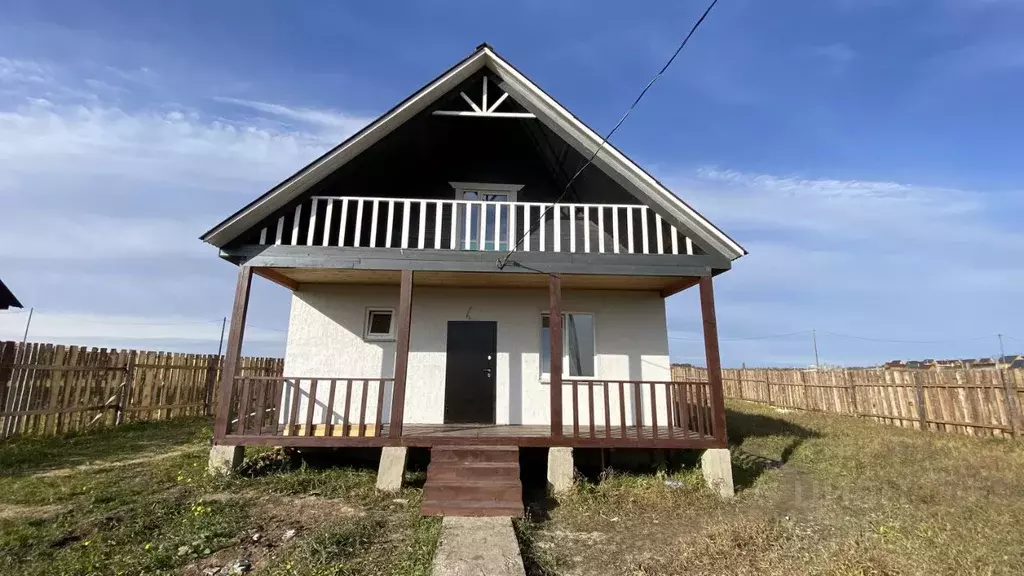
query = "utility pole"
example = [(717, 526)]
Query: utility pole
[(814, 338), (29, 323), (1013, 407), (223, 325), (17, 392)]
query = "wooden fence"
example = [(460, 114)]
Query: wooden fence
[(51, 389), (978, 402)]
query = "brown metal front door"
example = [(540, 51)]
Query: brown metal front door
[(469, 390)]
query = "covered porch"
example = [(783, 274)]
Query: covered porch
[(335, 411)]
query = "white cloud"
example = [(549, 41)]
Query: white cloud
[(130, 330), (872, 258), (42, 235), (326, 119), (182, 147), (879, 212), (21, 71), (102, 201)]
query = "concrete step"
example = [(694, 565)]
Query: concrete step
[(473, 471), (467, 454), (472, 508)]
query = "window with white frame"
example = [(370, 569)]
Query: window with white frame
[(380, 324), (578, 345), (489, 214)]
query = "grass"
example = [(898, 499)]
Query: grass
[(137, 500), (817, 494)]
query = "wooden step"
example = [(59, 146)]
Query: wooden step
[(466, 454), (473, 481), (475, 490), (513, 509), (473, 471)]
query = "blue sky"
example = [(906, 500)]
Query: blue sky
[(866, 152)]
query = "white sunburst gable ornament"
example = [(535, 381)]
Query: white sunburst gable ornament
[(484, 109)]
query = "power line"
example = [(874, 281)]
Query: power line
[(504, 261), (892, 341), (850, 336), (86, 320), (765, 337)]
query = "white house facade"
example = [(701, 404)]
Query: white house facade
[(619, 336)]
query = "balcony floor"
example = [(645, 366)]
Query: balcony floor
[(481, 279)]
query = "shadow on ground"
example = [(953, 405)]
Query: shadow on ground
[(759, 443), (31, 455)]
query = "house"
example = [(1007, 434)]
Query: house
[(451, 290), (7, 299)]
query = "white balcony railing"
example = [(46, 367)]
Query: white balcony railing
[(476, 226)]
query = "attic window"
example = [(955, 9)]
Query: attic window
[(380, 324), (488, 207)]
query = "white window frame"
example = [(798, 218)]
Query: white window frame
[(390, 336), (483, 188), (462, 187), (545, 377)]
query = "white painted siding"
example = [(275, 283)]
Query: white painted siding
[(325, 339)]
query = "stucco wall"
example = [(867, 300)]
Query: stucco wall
[(325, 340)]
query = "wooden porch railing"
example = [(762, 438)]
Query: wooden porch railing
[(353, 222), (663, 413), (310, 407)]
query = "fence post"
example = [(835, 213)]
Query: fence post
[(211, 379), (7, 351), (851, 391), (1013, 407), (768, 385), (922, 421), (126, 390)]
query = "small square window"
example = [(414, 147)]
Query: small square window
[(380, 324)]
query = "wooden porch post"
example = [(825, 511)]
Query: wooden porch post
[(222, 417), (401, 355), (555, 337), (707, 309)]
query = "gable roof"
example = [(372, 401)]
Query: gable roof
[(548, 111), (7, 298)]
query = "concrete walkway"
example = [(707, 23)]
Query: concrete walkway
[(478, 547)]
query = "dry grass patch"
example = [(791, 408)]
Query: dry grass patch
[(818, 495)]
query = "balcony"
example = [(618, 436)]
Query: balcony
[(476, 226)]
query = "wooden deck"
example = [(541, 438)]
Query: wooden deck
[(426, 435)]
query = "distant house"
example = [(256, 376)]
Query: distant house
[(1014, 361), (7, 298), (983, 363)]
